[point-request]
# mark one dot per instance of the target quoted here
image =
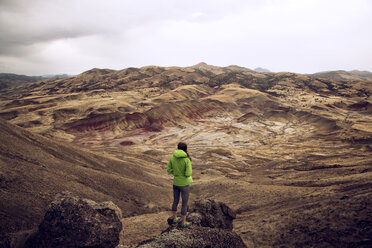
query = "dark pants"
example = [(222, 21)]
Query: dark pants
[(185, 191)]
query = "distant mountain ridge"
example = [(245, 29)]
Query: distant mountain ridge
[(260, 69), (201, 74), (13, 80), (342, 75)]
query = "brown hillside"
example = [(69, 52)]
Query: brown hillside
[(33, 169), (291, 153), (345, 75)]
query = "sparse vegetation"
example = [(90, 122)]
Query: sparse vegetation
[(290, 152)]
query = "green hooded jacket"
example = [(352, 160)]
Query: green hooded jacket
[(180, 166)]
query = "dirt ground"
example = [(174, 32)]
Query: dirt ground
[(290, 153)]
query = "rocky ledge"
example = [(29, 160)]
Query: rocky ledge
[(211, 227), (71, 221)]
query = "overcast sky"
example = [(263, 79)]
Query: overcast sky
[(71, 36)]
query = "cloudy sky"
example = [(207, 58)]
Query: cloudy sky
[(70, 36)]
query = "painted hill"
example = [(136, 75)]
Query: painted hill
[(34, 168), (290, 153)]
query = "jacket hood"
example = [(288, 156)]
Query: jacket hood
[(180, 154)]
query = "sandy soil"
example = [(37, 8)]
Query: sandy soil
[(291, 154)]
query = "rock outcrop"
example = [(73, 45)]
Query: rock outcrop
[(211, 227), (208, 213), (71, 221)]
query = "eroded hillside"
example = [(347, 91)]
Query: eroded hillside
[(290, 152)]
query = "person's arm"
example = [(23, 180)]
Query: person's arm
[(188, 172), (170, 167)]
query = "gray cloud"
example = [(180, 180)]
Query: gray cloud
[(54, 36), (24, 23)]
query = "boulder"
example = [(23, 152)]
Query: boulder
[(209, 213), (71, 221)]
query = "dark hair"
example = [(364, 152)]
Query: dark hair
[(183, 146)]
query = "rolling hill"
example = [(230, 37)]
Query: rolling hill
[(291, 153), (33, 169)]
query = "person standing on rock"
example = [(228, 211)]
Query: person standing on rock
[(179, 166)]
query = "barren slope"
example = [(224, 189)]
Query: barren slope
[(290, 153), (34, 168)]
